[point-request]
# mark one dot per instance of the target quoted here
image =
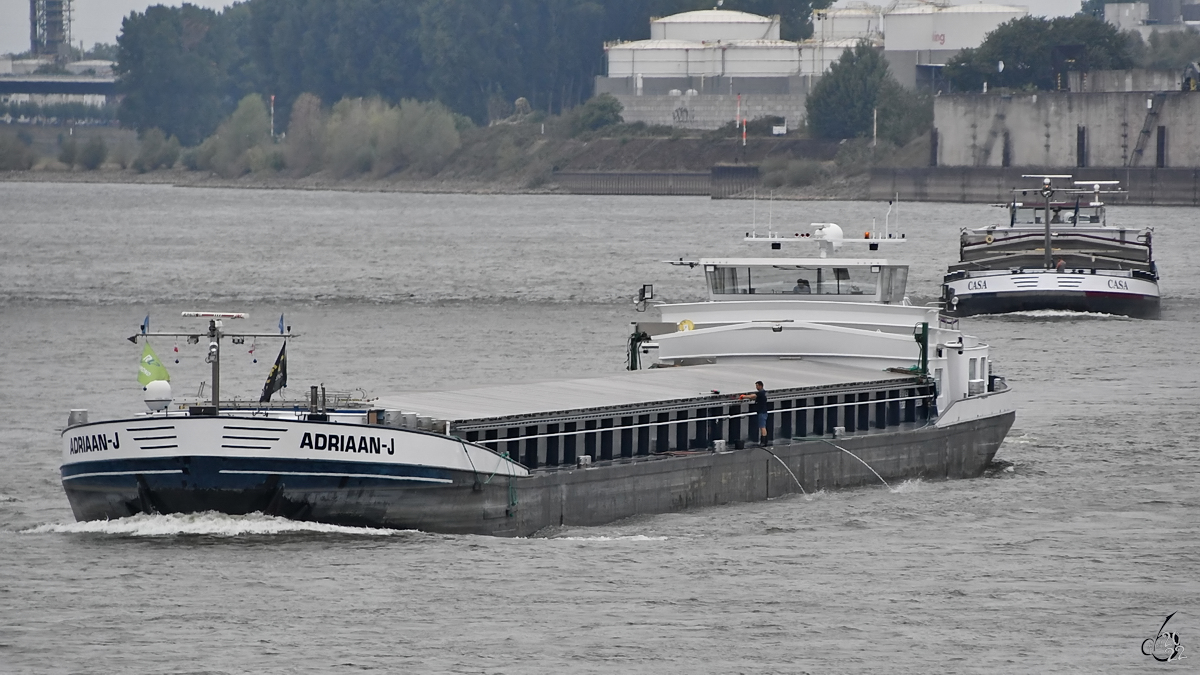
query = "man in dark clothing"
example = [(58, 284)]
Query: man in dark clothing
[(760, 410)]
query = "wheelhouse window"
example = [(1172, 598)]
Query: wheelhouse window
[(892, 284), (790, 281)]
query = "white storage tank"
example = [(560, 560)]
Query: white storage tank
[(651, 58), (929, 27), (762, 58), (710, 25), (816, 57), (855, 20), (676, 58)]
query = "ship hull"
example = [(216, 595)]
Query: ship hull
[(442, 495), (1006, 293)]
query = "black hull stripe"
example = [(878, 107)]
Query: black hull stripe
[(421, 479), (209, 469)]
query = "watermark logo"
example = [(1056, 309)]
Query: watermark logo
[(1165, 646)]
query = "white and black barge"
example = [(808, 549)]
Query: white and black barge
[(1057, 253)]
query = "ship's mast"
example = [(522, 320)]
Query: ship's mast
[(215, 335), (214, 357), (1047, 192)]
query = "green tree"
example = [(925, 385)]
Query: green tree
[(15, 154), (156, 151), (465, 73), (1093, 8), (169, 72), (101, 51), (1026, 47), (229, 150), (1172, 50), (843, 102), (93, 153), (599, 112), (67, 151), (304, 142), (336, 48)]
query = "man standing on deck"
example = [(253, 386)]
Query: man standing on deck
[(760, 411)]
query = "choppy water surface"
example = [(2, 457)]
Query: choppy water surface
[(1065, 562)]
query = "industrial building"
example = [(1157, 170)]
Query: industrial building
[(1153, 16), (49, 27), (702, 69), (686, 50), (920, 39)]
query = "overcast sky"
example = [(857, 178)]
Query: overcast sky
[(100, 20)]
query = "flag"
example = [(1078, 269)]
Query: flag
[(277, 379), (150, 368)]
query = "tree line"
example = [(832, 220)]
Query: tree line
[(184, 69)]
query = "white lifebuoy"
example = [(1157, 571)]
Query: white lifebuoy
[(686, 324)]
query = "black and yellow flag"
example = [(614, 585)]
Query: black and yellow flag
[(277, 379)]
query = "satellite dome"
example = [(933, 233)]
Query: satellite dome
[(829, 232), (158, 395)]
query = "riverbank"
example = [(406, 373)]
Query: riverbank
[(522, 158), (503, 159), (838, 188)]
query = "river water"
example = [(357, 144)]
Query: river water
[(1064, 560)]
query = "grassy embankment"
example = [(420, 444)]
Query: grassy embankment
[(521, 155)]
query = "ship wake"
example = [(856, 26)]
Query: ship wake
[(209, 524)]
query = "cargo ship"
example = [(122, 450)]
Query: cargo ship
[(863, 389), (1058, 252)]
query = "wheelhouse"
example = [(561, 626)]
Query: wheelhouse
[(843, 280)]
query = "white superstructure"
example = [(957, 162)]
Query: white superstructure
[(848, 311)]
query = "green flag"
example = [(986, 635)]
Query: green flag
[(151, 369)]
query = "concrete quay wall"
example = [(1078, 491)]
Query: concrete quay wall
[(711, 111), (1145, 186), (1068, 129)]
